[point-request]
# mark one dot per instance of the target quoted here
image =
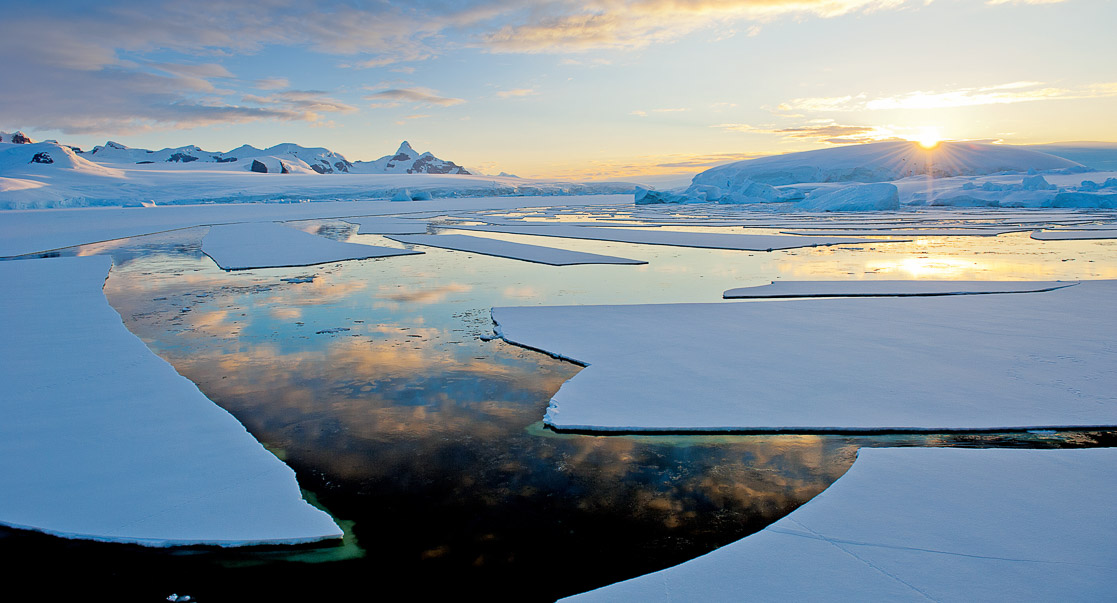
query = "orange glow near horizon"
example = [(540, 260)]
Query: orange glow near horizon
[(929, 137)]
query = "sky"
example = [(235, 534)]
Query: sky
[(598, 89)]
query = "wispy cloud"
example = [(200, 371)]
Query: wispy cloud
[(1013, 92), (517, 93), (272, 83), (821, 130), (642, 113), (567, 26), (303, 100), (415, 95)]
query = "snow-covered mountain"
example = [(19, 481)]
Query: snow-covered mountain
[(16, 137), (285, 158), (407, 160)]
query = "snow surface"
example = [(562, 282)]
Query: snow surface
[(890, 288), (961, 362), (101, 439), (381, 225), (705, 240), (271, 245), (34, 231), (1073, 235), (940, 524), (900, 232), (515, 251), (877, 196)]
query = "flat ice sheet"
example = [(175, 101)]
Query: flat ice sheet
[(271, 245), (1073, 235), (889, 288), (388, 225), (33, 231), (926, 232), (888, 363), (939, 524), (102, 439), (705, 240), (515, 251)]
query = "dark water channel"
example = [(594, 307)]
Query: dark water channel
[(371, 379)]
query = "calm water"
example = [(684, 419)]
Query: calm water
[(372, 381)]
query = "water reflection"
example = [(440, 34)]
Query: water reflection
[(370, 380)]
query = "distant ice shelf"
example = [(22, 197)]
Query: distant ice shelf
[(101, 439), (918, 524)]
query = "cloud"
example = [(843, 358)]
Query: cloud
[(303, 100), (272, 83), (415, 95), (1013, 92), (517, 93), (559, 27), (823, 130)]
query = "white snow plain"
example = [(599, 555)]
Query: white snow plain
[(883, 288), (940, 524), (388, 225), (967, 362), (515, 251), (271, 245), (101, 439)]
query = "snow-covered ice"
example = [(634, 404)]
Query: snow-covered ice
[(511, 250), (898, 363), (705, 240), (882, 288), (271, 245), (901, 232), (1073, 235), (877, 196), (101, 439), (33, 231), (940, 524), (388, 225)]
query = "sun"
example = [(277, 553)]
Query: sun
[(929, 137)]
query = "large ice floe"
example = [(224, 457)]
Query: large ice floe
[(967, 362), (101, 439), (271, 245), (511, 250), (921, 524)]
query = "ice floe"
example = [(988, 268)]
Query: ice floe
[(883, 288), (705, 240), (270, 245), (511, 250), (101, 439), (966, 362), (921, 524), (35, 231), (388, 225), (1073, 235)]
